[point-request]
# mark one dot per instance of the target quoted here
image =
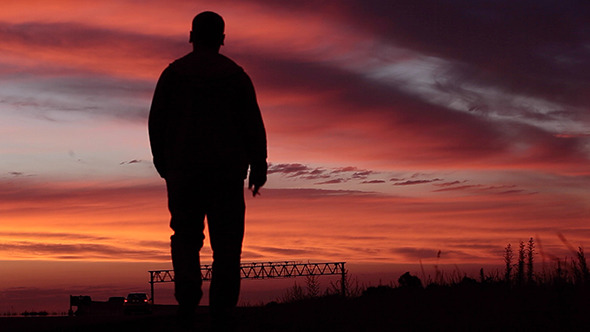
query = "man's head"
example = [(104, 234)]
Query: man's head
[(207, 30)]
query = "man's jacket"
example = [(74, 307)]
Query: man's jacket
[(204, 120)]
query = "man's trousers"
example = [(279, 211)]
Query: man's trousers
[(222, 203)]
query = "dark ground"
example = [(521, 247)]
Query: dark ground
[(381, 308)]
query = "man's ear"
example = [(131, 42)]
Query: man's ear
[(222, 39), (190, 38)]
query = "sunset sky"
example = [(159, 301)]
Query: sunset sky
[(396, 129)]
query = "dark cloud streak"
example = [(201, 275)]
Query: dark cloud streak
[(331, 176), (414, 182)]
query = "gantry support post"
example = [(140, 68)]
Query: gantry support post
[(343, 281), (152, 286)]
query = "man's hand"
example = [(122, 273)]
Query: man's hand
[(254, 189), (257, 177)]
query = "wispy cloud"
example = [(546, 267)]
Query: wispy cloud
[(333, 181), (134, 161), (298, 171), (79, 251), (79, 46), (433, 255), (413, 182), (481, 189), (329, 175), (373, 181), (289, 252), (47, 235)]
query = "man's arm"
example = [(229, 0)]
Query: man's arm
[(256, 140), (158, 122)]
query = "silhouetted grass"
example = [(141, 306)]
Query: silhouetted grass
[(556, 298)]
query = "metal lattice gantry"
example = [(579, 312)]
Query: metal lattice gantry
[(264, 270)]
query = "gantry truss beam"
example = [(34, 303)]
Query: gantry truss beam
[(264, 270)]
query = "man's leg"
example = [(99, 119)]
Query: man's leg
[(226, 232), (187, 221)]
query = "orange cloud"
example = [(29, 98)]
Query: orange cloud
[(96, 222)]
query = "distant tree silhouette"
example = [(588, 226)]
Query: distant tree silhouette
[(409, 281), (581, 273), (508, 256), (313, 285), (520, 266), (530, 252)]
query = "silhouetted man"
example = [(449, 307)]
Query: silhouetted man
[(205, 131)]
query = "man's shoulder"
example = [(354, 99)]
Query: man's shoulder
[(205, 65), (182, 61), (195, 58)]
